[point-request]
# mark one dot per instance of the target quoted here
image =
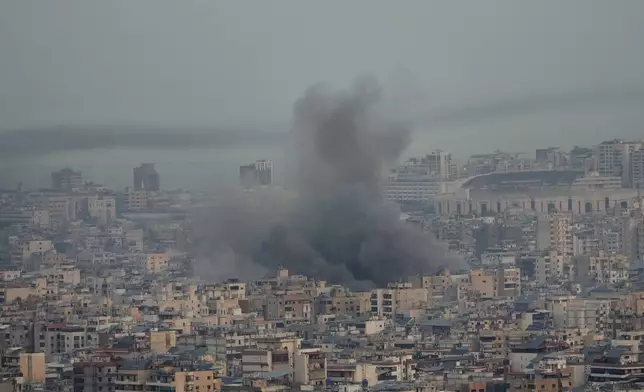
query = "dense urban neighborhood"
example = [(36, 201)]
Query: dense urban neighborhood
[(103, 290)]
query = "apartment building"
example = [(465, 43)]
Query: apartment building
[(554, 232), (602, 269), (264, 361), (397, 297), (310, 367), (291, 306), (101, 208), (587, 313), (550, 267)]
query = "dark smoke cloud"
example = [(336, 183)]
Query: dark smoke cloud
[(338, 227)]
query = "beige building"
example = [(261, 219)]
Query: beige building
[(132, 376), (343, 302), (64, 275), (263, 361), (162, 341), (508, 282), (398, 297), (32, 367), (173, 380), (30, 247), (484, 284), (11, 292), (156, 263), (310, 367), (550, 267), (293, 306), (354, 373), (554, 232)]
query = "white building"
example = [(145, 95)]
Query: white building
[(614, 159), (406, 190), (594, 181), (136, 200)]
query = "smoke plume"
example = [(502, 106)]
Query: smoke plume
[(337, 227)]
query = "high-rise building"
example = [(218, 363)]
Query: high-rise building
[(637, 168), (256, 174), (439, 164), (614, 159), (66, 179), (405, 186), (146, 177), (554, 232)]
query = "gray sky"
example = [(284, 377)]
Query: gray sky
[(486, 69)]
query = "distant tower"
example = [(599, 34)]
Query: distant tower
[(146, 178), (66, 179), (256, 174)]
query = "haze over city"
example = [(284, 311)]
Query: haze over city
[(338, 196)]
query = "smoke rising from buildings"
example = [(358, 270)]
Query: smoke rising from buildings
[(337, 227)]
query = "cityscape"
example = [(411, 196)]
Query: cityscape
[(99, 291), (321, 196)]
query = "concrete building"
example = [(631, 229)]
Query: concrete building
[(439, 164), (637, 168), (551, 155), (614, 159), (136, 200), (291, 306), (156, 263), (264, 361), (256, 174), (102, 208), (354, 373), (162, 341), (554, 232), (508, 282), (585, 243), (535, 191), (593, 180), (32, 367), (588, 313), (146, 177), (601, 269), (132, 376), (408, 189), (66, 180), (310, 367), (97, 375), (484, 284), (550, 267), (397, 297), (61, 338)]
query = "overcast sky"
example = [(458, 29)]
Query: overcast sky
[(484, 68)]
